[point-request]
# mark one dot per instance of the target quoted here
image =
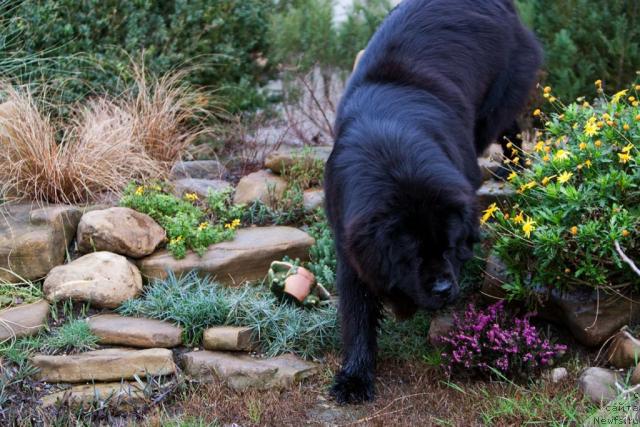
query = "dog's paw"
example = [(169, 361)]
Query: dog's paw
[(352, 389)]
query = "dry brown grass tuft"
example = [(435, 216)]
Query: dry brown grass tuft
[(103, 145)]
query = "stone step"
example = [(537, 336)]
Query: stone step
[(122, 395), (241, 372), (245, 258), (493, 191), (488, 167), (229, 338), (135, 331), (23, 320), (114, 364)]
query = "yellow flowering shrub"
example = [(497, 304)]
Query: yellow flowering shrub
[(579, 196)]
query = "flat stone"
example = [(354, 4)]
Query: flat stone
[(122, 395), (313, 199), (102, 278), (599, 384), (229, 338), (34, 239), (201, 187), (23, 320), (242, 372), (199, 169), (120, 230), (135, 331), (114, 364), (440, 326), (263, 186), (624, 350), (494, 192), (282, 159), (245, 258)]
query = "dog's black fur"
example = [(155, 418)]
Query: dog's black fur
[(439, 81)]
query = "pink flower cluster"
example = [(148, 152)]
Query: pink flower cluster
[(484, 340)]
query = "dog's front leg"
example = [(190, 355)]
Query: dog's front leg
[(360, 315)]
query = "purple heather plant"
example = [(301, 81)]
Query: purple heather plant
[(485, 341)]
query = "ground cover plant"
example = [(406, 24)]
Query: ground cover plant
[(575, 218), (189, 223), (493, 341)]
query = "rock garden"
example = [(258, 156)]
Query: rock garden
[(165, 257)]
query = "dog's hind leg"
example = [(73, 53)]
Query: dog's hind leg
[(360, 315)]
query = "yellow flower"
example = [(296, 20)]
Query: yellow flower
[(236, 222), (139, 190), (527, 186), (627, 148), (626, 127), (516, 160), (233, 224), (587, 163), (625, 233), (574, 230), (203, 225), (606, 116), (582, 146), (586, 104), (637, 87), (546, 180), (512, 176), (547, 148), (598, 84), (632, 98), (561, 155), (636, 103), (591, 128), (519, 219), (598, 143), (638, 118), (539, 146), (616, 98), (488, 213), (564, 177), (546, 158), (528, 227), (547, 89), (537, 112), (552, 99), (176, 240), (624, 157), (191, 197)]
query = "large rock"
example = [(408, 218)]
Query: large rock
[(102, 278), (313, 199), (282, 159), (229, 338), (493, 191), (201, 187), (495, 275), (114, 364), (199, 169), (489, 168), (23, 320), (241, 372), (120, 395), (592, 316), (262, 185), (599, 384), (135, 331), (624, 350), (34, 239), (120, 230), (247, 257)]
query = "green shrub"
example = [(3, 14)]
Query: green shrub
[(585, 40), (94, 41), (578, 199), (74, 335), (196, 304), (187, 224)]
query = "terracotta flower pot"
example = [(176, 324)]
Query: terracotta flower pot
[(299, 285)]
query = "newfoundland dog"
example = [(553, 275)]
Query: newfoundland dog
[(439, 81)]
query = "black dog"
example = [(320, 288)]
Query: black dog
[(439, 81)]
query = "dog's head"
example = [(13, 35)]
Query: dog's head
[(411, 251)]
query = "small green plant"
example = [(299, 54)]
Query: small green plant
[(23, 293), (196, 304), (306, 170), (575, 216), (188, 225), (75, 335), (322, 255)]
